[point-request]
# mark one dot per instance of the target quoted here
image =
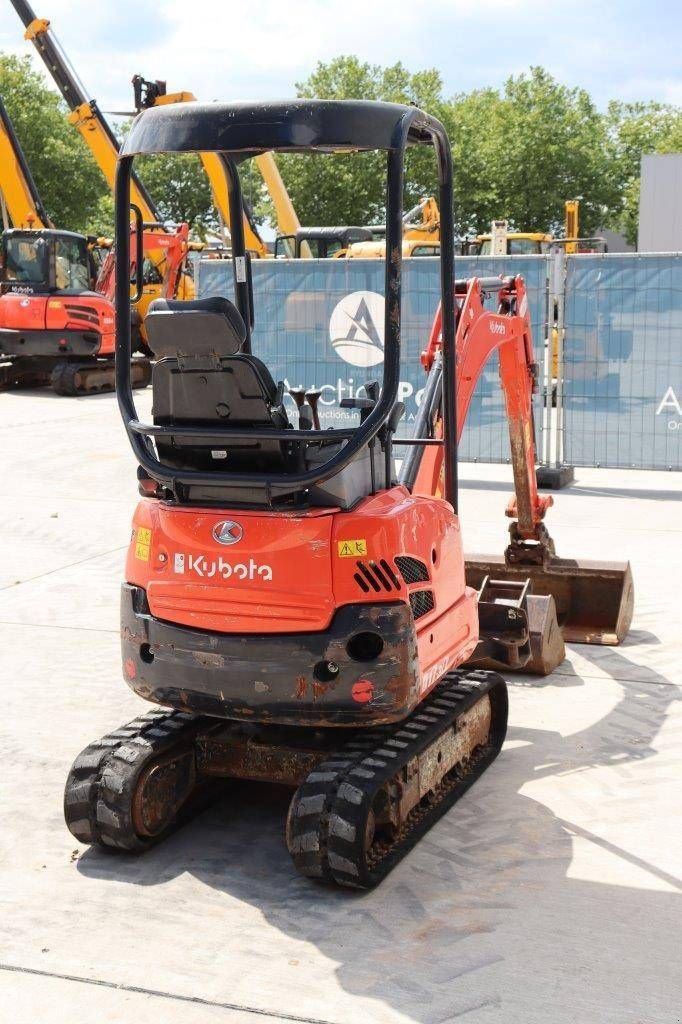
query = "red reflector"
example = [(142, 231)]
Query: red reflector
[(362, 691), (131, 670), (62, 342)]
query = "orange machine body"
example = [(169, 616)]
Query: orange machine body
[(58, 324), (291, 572)]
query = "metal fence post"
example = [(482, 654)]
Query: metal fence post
[(554, 473)]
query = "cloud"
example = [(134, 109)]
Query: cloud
[(258, 50)]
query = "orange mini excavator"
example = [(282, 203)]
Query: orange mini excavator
[(302, 616)]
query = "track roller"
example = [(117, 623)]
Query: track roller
[(357, 814), (127, 790)]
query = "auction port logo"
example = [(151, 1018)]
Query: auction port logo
[(670, 403), (356, 328)]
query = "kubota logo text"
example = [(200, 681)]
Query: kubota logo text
[(356, 328), (207, 568)]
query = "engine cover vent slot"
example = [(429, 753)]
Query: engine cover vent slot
[(421, 602), (376, 576), (411, 569)]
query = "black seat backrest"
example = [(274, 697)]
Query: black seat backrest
[(200, 327), (202, 378), (232, 391)]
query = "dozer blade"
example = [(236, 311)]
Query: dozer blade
[(594, 600)]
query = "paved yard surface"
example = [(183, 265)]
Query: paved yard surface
[(549, 895)]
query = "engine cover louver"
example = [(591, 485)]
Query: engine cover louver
[(376, 576), (421, 602), (411, 569)]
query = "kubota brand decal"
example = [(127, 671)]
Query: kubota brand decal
[(207, 568), (143, 540), (351, 548), (228, 532)]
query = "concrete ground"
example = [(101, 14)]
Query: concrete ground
[(548, 895)]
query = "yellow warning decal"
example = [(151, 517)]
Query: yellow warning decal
[(142, 543), (351, 548)]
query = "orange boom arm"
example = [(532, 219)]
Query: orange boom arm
[(479, 333)]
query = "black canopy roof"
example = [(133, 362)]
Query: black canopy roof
[(285, 124)]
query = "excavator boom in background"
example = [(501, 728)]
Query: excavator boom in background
[(152, 94), (20, 203)]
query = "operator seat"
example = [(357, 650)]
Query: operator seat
[(202, 377)]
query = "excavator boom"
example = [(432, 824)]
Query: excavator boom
[(85, 114), (153, 93), (594, 600), (19, 193)]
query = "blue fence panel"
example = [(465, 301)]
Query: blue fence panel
[(320, 323), (623, 361)]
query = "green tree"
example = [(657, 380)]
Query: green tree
[(180, 190), (349, 189), (518, 154), (477, 123), (550, 144), (67, 178)]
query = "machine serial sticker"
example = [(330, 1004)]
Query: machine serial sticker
[(142, 543), (351, 548)]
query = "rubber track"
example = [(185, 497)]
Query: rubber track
[(100, 786), (63, 378), (326, 826)]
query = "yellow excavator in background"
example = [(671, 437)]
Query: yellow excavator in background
[(502, 242), (420, 237), (153, 94)]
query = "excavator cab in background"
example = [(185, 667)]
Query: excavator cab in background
[(55, 328), (303, 613), (56, 319), (320, 243)]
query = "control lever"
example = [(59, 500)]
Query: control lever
[(397, 413), (313, 396), (305, 417), (365, 405), (298, 395)]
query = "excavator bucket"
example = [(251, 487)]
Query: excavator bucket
[(594, 600)]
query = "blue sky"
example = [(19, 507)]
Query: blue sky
[(625, 49)]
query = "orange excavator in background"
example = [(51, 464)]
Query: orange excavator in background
[(56, 327), (165, 246), (351, 686)]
